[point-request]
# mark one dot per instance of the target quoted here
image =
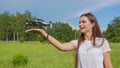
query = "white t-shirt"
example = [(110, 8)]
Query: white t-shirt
[(89, 56)]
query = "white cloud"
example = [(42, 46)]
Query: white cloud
[(56, 10), (74, 27), (94, 7)]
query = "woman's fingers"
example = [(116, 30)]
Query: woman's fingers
[(35, 30), (29, 30)]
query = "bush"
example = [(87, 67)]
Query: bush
[(21, 39), (19, 60), (115, 39)]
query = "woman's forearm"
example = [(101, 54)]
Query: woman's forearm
[(53, 41)]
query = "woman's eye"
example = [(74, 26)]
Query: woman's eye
[(83, 21)]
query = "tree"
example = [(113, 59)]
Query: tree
[(2, 32), (5, 25), (13, 28), (61, 31), (113, 31), (20, 24)]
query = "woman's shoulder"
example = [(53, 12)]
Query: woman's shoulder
[(75, 42), (105, 44), (100, 39)]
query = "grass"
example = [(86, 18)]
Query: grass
[(40, 55), (115, 55), (44, 55)]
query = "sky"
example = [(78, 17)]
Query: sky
[(65, 10)]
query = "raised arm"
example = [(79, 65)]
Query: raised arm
[(68, 46)]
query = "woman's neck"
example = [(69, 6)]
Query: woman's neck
[(88, 35)]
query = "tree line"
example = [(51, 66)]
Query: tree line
[(112, 33), (12, 28)]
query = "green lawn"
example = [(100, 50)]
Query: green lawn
[(115, 55), (44, 55)]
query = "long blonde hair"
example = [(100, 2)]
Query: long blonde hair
[(96, 32)]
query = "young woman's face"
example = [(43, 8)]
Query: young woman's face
[(85, 25)]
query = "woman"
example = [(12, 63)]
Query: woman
[(92, 49)]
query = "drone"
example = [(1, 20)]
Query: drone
[(39, 23)]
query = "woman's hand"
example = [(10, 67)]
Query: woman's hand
[(39, 31)]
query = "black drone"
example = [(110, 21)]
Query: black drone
[(39, 23)]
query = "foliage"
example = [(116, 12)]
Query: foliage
[(62, 31), (19, 60), (13, 28), (113, 31)]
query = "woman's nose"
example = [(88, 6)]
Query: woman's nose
[(80, 24)]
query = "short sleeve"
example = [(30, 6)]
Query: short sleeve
[(75, 42), (105, 47)]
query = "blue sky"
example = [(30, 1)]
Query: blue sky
[(65, 10)]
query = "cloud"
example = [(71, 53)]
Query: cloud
[(56, 10), (91, 7), (94, 7), (59, 9), (74, 27)]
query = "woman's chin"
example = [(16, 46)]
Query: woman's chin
[(82, 31)]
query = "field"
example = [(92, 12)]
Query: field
[(44, 55)]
